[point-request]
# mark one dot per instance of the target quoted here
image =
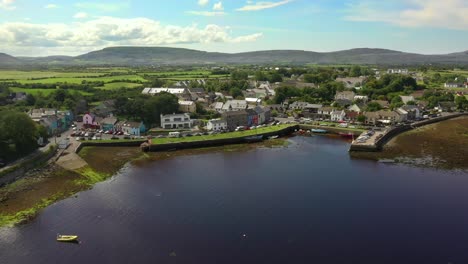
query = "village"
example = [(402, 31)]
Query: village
[(347, 108)]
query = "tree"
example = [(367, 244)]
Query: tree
[(260, 76), (361, 118), (275, 77), (461, 102), (30, 100), (18, 129), (164, 103), (373, 107), (236, 92), (239, 75), (355, 71)]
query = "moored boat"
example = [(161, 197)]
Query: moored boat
[(346, 134), (273, 137), (251, 139), (67, 238), (315, 130)]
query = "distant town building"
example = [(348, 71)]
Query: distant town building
[(235, 119), (397, 71), (187, 106), (351, 82), (453, 85)]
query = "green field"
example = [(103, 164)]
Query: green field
[(25, 75), (117, 85), (177, 73), (43, 91), (221, 136), (80, 80)]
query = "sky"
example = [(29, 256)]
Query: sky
[(73, 27)]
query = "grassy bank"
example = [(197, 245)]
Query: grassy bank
[(23, 199), (237, 134), (440, 145)]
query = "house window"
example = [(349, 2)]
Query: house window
[(167, 120)]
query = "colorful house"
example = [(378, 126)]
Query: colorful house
[(252, 117), (91, 121), (109, 123), (133, 128)]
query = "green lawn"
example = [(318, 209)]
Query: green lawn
[(117, 85), (221, 136), (43, 91)]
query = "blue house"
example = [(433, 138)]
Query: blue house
[(133, 128), (109, 123)]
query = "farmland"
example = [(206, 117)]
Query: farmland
[(44, 92), (117, 85)]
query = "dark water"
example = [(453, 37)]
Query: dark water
[(307, 203)]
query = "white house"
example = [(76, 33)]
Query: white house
[(355, 108), (176, 121), (397, 71), (338, 116), (363, 98), (452, 85), (216, 125), (187, 106), (326, 110), (406, 99), (175, 91)]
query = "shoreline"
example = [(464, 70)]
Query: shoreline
[(439, 145), (22, 200), (104, 162)]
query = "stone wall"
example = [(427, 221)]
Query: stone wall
[(20, 170), (215, 142)]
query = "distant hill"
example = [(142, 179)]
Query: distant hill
[(135, 56), (6, 60)]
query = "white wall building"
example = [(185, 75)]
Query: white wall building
[(338, 116), (216, 125), (176, 121)]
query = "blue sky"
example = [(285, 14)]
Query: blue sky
[(41, 27)]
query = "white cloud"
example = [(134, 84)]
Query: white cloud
[(80, 15), (262, 5), (51, 6), (449, 14), (206, 13), (218, 6), (7, 4), (106, 7), (73, 38), (203, 2)]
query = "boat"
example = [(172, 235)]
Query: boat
[(273, 137), (346, 134), (67, 238), (252, 139), (314, 130)]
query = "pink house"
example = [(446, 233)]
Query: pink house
[(90, 120)]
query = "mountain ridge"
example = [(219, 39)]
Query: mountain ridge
[(146, 56)]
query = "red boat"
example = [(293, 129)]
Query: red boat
[(346, 134)]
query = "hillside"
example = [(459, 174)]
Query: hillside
[(135, 56), (7, 60)]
